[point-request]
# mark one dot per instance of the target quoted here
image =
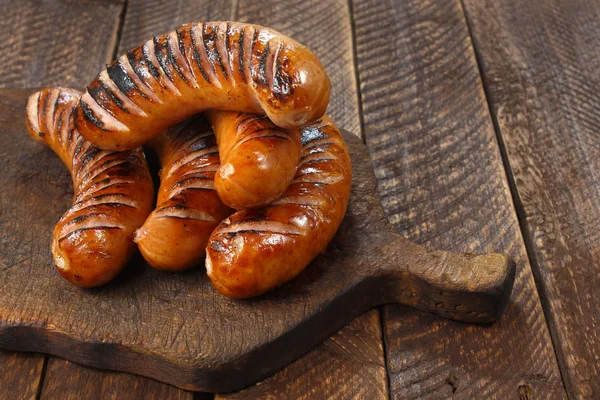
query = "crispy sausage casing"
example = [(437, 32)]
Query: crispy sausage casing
[(256, 250), (258, 159), (113, 193), (214, 65), (175, 235)]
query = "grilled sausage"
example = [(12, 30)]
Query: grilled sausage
[(256, 250), (214, 65), (93, 240), (175, 235), (258, 159)]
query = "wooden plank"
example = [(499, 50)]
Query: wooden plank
[(148, 18), (305, 21), (52, 43), (442, 183), (351, 363), (540, 66), (69, 381), (348, 365), (20, 375)]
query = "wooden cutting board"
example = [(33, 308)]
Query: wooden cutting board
[(175, 327)]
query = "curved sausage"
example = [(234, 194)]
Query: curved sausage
[(256, 250), (258, 159), (113, 193), (214, 65), (175, 235)]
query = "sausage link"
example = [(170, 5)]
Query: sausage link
[(175, 235), (256, 250), (214, 65), (258, 159), (113, 193)]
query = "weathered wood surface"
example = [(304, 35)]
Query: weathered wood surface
[(21, 375), (540, 66), (348, 365), (51, 43), (176, 327), (443, 184), (65, 380)]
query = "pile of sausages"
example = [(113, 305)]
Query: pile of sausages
[(256, 185)]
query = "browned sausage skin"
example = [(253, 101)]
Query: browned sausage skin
[(113, 193), (175, 235), (258, 159), (256, 250), (214, 65)]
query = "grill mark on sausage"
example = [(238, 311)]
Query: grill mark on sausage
[(196, 54), (173, 62), (112, 96), (182, 212), (105, 166), (182, 52), (162, 58), (281, 82), (116, 72), (241, 55), (210, 47), (149, 64), (262, 66), (91, 152), (99, 227), (260, 227)]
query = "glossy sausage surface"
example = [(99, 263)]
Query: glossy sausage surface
[(175, 235), (113, 193), (214, 65), (256, 250), (258, 159)]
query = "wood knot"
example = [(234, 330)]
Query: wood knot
[(525, 392)]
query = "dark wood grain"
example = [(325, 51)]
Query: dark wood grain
[(443, 184), (65, 380), (20, 375), (540, 66), (325, 372), (176, 327), (51, 43), (147, 18), (347, 365)]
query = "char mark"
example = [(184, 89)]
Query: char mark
[(87, 228), (113, 97), (172, 60), (136, 64), (281, 82), (119, 76), (262, 67), (196, 54), (148, 62), (89, 115), (87, 157), (210, 46), (159, 51), (241, 55)]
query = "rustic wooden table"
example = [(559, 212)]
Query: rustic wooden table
[(481, 117)]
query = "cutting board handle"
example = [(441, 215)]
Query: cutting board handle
[(464, 287)]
